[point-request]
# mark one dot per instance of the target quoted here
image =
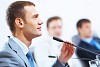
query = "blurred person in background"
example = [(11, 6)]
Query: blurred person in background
[(47, 50), (87, 41)]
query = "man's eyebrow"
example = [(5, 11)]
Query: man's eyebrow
[(35, 16)]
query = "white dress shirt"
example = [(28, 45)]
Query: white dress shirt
[(43, 47), (22, 45)]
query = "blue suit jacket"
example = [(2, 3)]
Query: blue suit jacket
[(12, 55)]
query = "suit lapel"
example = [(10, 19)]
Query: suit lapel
[(16, 48), (89, 47)]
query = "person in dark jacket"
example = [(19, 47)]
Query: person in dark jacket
[(87, 41)]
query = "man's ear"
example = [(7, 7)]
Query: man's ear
[(79, 29), (19, 22)]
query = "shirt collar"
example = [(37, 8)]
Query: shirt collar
[(21, 44), (88, 40)]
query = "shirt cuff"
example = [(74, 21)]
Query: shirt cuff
[(65, 65)]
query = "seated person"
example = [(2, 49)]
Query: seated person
[(87, 41), (47, 51)]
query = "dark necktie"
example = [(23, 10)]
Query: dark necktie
[(30, 59)]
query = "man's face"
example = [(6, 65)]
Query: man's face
[(85, 30), (55, 28), (32, 25)]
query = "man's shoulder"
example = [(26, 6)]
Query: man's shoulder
[(4, 47), (8, 57), (83, 44), (96, 38), (6, 50)]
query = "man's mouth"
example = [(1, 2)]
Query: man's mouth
[(39, 28)]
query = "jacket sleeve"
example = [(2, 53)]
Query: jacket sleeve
[(58, 64)]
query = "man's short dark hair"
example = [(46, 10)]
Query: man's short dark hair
[(81, 22), (16, 10), (51, 19)]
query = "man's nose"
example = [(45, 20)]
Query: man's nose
[(40, 22)]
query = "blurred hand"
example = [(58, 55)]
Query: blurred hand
[(66, 53)]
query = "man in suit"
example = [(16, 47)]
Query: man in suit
[(25, 24), (47, 50), (87, 41)]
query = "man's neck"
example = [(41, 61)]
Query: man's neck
[(83, 37), (22, 38)]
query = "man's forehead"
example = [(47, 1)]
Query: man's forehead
[(31, 10), (85, 24), (55, 23)]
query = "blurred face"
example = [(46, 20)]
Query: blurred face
[(85, 31), (32, 25), (55, 28)]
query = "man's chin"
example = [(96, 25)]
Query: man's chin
[(39, 34), (89, 36), (58, 36)]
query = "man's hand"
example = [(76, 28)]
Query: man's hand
[(66, 53)]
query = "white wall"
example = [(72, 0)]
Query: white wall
[(70, 11)]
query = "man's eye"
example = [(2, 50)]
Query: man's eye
[(35, 16)]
